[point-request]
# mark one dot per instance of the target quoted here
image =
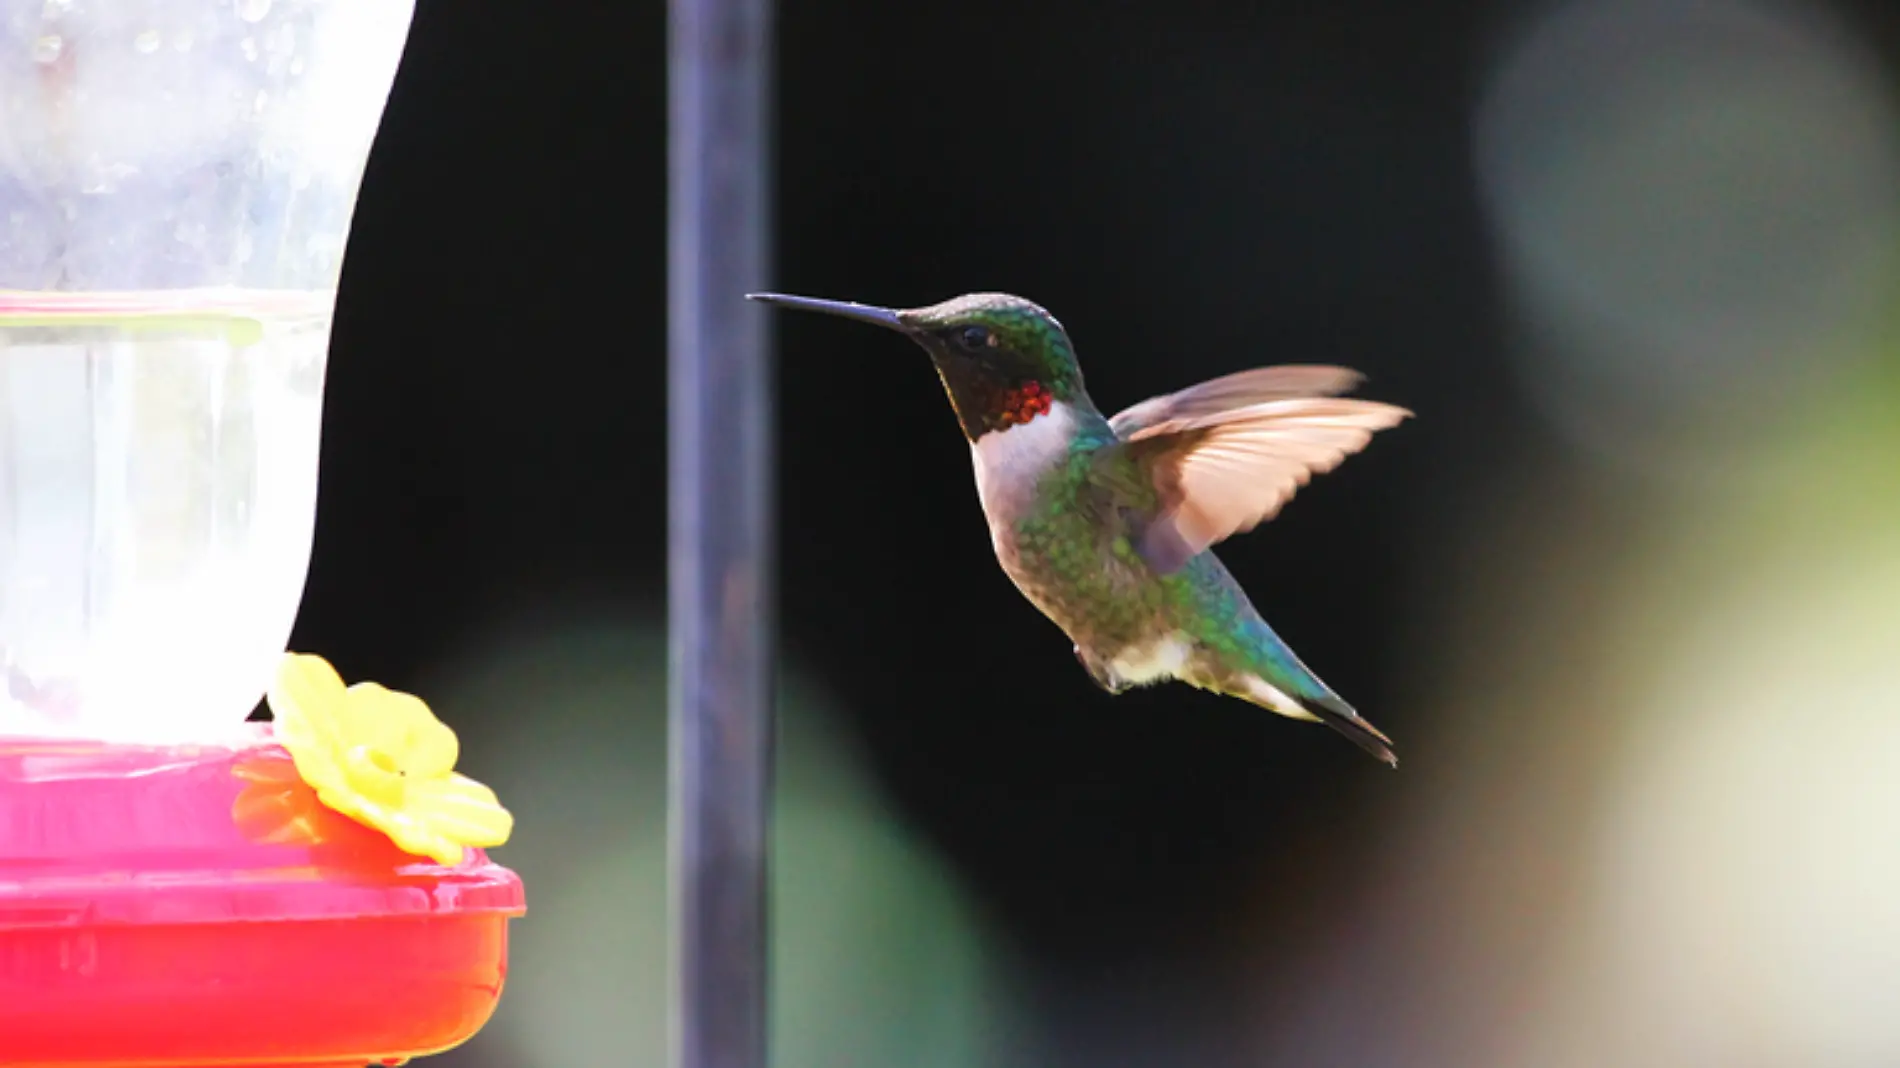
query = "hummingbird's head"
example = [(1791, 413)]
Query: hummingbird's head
[(1003, 360)]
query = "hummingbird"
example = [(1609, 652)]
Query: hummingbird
[(1106, 523)]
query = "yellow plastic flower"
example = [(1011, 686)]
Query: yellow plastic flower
[(383, 759)]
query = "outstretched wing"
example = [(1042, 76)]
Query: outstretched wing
[(1219, 471), (1238, 390)]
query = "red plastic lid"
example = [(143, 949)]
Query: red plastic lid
[(98, 833)]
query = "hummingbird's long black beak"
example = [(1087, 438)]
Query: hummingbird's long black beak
[(864, 313)]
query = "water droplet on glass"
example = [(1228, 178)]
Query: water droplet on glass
[(102, 178), (146, 42), (253, 10), (249, 48), (47, 48), (263, 98)]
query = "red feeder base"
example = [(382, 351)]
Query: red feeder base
[(197, 908)]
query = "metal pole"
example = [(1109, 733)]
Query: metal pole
[(720, 500)]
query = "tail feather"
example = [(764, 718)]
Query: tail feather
[(1340, 716), (1325, 707)]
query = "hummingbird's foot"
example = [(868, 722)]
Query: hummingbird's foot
[(1103, 675)]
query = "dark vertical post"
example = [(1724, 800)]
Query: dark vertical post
[(720, 500)]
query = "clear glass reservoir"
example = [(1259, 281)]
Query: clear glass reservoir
[(176, 184)]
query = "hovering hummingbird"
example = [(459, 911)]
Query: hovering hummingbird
[(1106, 524)]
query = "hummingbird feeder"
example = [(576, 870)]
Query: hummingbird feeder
[(179, 887)]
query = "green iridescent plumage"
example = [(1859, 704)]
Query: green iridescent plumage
[(1106, 524), (1082, 530)]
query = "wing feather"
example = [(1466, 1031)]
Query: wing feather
[(1238, 390), (1221, 473)]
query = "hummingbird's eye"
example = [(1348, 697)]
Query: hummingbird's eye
[(974, 337)]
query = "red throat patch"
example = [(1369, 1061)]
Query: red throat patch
[(1024, 403)]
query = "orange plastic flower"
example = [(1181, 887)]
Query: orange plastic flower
[(382, 758)]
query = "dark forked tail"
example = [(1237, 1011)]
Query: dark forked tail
[(1322, 705), (1262, 669), (1339, 715)]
